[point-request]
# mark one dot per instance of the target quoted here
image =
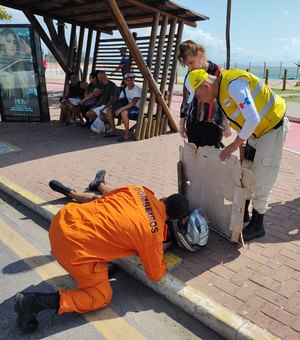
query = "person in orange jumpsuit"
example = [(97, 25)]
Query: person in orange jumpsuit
[(85, 237)]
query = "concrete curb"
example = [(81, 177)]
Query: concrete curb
[(192, 301), (294, 119)]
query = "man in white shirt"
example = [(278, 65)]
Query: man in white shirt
[(128, 111), (258, 115)]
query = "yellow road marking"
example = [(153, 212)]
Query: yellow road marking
[(110, 324), (171, 259)]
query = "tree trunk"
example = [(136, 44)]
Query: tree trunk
[(228, 17)]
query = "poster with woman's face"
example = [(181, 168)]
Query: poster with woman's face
[(17, 76)]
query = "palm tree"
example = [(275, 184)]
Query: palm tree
[(4, 16), (228, 17)]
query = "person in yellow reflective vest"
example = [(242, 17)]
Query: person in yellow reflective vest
[(258, 116)]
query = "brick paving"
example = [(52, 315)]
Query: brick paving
[(261, 281)]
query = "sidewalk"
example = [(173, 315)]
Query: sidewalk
[(260, 283)]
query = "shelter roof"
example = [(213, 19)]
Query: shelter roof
[(96, 15)]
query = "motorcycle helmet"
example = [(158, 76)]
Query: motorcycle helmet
[(190, 233)]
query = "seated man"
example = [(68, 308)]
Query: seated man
[(70, 109), (109, 94), (84, 237), (128, 111), (91, 96)]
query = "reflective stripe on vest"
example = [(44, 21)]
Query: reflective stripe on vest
[(254, 94)]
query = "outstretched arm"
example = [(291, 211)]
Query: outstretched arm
[(83, 197)]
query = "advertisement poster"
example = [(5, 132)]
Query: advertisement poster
[(18, 83)]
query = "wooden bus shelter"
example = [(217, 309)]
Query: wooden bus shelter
[(154, 57)]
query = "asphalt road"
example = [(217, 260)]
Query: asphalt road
[(136, 312)]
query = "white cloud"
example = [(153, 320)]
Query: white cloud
[(215, 47), (272, 51)]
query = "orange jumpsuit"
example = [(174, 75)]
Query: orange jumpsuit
[(84, 237)]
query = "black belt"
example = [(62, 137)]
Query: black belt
[(279, 124)]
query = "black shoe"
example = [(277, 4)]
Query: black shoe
[(28, 305), (100, 178), (26, 316), (59, 187), (255, 228), (246, 212)]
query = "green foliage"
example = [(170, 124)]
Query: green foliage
[(4, 16)]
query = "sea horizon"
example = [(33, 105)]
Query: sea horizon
[(275, 72)]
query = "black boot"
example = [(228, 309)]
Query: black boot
[(255, 228), (59, 187), (100, 178), (246, 212), (28, 305)]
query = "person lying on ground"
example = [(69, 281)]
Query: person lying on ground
[(85, 237), (126, 107)]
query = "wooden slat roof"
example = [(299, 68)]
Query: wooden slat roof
[(95, 14)]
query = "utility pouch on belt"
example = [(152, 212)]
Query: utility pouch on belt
[(249, 152)]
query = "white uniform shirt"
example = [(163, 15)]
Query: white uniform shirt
[(239, 91)]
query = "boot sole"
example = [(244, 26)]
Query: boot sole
[(19, 309)]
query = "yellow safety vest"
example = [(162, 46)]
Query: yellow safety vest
[(270, 107)]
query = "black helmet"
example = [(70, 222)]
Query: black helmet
[(193, 234)]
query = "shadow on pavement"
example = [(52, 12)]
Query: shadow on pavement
[(22, 266), (41, 140), (282, 222), (124, 301)]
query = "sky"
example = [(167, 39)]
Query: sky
[(261, 30)]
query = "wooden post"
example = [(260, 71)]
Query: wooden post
[(165, 72), (280, 69), (175, 60), (129, 69), (249, 69), (37, 26), (153, 127), (149, 63), (79, 51), (265, 66), (125, 32), (297, 70), (146, 83), (70, 55), (144, 126), (158, 62), (267, 76), (162, 124), (284, 80), (96, 50), (87, 55)]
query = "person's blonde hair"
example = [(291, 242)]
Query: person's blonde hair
[(190, 48)]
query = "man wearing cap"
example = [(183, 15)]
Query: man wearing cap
[(258, 114), (84, 237), (132, 93)]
